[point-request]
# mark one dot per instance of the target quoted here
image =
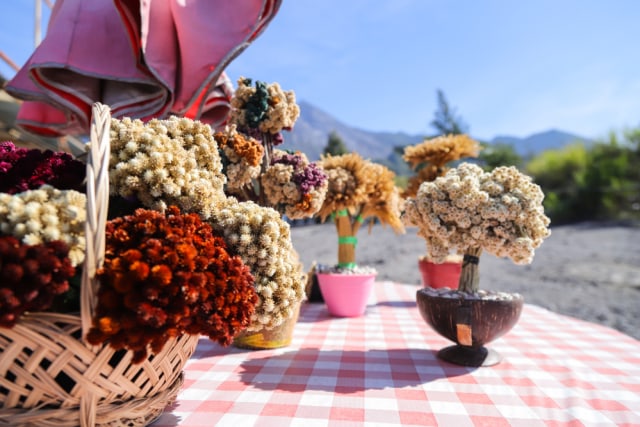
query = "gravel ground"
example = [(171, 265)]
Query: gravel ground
[(588, 271)]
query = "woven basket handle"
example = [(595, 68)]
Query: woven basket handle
[(97, 206)]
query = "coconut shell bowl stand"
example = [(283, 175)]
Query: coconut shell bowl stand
[(470, 322)]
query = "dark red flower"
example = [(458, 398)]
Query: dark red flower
[(167, 274), (24, 169), (31, 277)]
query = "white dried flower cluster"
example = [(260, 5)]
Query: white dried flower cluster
[(281, 113), (240, 175), (285, 195), (239, 172), (263, 240), (44, 215), (166, 162), (499, 211)]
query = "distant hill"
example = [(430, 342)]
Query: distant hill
[(311, 133), (312, 129), (542, 141)]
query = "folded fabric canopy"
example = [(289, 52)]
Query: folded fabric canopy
[(143, 58)]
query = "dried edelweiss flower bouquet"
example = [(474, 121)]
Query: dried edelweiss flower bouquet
[(358, 190), (257, 171), (180, 256), (165, 272), (177, 161), (470, 211)]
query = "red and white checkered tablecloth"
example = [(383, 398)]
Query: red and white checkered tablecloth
[(381, 369)]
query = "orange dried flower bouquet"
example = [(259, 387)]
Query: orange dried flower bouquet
[(166, 274)]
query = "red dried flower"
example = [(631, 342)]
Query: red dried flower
[(161, 274), (139, 270), (170, 275), (24, 169), (31, 277)]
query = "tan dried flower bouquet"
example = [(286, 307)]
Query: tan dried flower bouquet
[(358, 190), (432, 157)]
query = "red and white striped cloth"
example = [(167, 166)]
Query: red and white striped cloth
[(381, 369)]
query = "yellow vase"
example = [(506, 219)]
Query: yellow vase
[(263, 339)]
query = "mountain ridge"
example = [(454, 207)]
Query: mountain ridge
[(311, 133)]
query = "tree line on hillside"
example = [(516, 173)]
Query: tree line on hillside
[(596, 183)]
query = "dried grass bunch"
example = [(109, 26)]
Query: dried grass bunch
[(430, 158), (358, 189)]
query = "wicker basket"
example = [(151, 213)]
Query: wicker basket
[(49, 376)]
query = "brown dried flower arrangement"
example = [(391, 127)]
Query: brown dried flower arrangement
[(166, 274), (32, 277), (358, 190)]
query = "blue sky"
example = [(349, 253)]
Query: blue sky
[(508, 67)]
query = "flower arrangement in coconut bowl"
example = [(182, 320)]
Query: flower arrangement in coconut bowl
[(429, 160), (470, 211), (278, 182), (359, 190)]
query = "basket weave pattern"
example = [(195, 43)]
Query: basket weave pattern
[(49, 376)]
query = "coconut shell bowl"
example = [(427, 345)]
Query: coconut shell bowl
[(469, 320)]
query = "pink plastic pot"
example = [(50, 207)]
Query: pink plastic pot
[(444, 275), (346, 295)]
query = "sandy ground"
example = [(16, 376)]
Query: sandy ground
[(588, 271)]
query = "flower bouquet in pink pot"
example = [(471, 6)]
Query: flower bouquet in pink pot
[(359, 191)]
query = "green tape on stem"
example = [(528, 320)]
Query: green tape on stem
[(348, 240), (342, 212), (347, 264), (359, 218)]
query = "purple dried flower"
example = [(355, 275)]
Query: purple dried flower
[(276, 138), (288, 159), (306, 176), (309, 178)]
